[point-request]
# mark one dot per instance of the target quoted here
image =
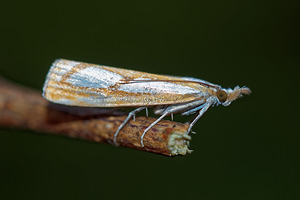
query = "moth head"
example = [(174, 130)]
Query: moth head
[(226, 96)]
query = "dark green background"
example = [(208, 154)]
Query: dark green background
[(248, 150)]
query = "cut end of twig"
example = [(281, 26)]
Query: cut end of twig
[(178, 143)]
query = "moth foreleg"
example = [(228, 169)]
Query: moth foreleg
[(203, 109)]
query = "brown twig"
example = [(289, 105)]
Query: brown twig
[(25, 108)]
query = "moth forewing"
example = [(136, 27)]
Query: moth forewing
[(82, 84), (89, 85)]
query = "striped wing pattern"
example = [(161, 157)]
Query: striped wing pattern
[(83, 84)]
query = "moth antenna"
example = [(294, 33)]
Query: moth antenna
[(166, 80)]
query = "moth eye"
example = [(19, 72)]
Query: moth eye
[(222, 95)]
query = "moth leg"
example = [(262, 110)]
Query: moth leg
[(203, 108), (133, 117), (146, 112), (163, 111), (131, 114), (151, 125), (192, 111)]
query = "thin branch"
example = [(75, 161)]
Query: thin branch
[(21, 107)]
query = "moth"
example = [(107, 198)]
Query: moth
[(89, 85)]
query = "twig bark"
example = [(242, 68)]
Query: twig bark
[(21, 107)]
